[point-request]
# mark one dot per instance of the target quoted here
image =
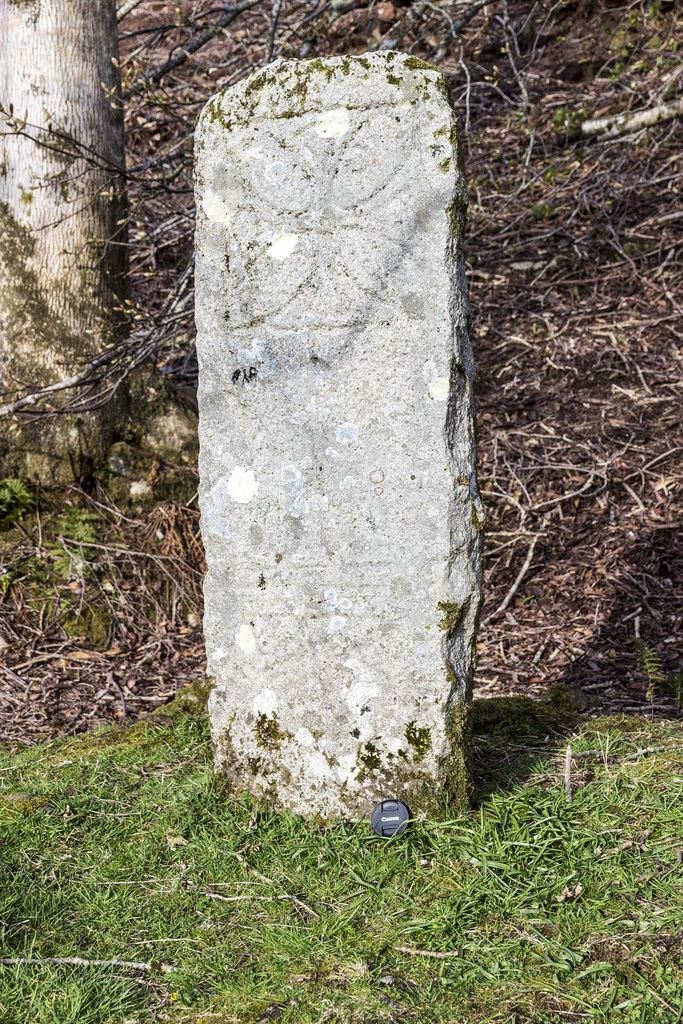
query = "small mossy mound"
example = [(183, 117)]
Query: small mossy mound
[(623, 725), (511, 718), (142, 733), (91, 623), (26, 804), (192, 700)]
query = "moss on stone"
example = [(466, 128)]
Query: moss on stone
[(318, 64), (420, 739), (479, 519), (268, 733), (213, 112), (455, 215), (457, 373), (254, 764), (452, 615), (450, 132), (258, 81), (369, 758), (402, 778), (415, 64), (456, 767)]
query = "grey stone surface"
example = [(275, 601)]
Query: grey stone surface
[(338, 491)]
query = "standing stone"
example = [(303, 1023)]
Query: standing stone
[(339, 500)]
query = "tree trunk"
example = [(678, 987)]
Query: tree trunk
[(63, 252)]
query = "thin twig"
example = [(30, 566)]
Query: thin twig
[(406, 25), (515, 586), (112, 682), (568, 773), (424, 952), (277, 6), (269, 881), (441, 51), (78, 961), (518, 77), (14, 676)]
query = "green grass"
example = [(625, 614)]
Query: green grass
[(128, 850)]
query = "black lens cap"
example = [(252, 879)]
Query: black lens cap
[(390, 818)]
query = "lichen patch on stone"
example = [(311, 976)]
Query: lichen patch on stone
[(332, 124), (283, 246), (215, 209), (439, 389), (245, 639), (242, 485)]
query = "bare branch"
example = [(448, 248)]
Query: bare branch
[(116, 363), (277, 6), (126, 8), (620, 124), (513, 65), (78, 961), (404, 26), (437, 55), (192, 47)]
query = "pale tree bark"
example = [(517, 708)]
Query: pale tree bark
[(620, 124), (63, 253)]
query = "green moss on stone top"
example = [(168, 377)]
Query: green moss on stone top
[(415, 64), (317, 64)]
